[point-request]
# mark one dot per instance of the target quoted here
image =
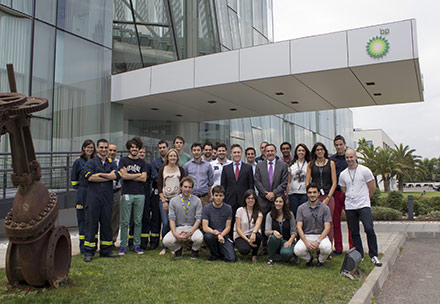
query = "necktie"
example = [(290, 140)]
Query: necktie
[(237, 171), (270, 176)]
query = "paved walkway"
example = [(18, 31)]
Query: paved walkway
[(415, 276)]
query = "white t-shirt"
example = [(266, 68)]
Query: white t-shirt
[(356, 189), (217, 168), (247, 225), (298, 174)]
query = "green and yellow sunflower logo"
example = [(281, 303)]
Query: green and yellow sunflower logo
[(377, 47)]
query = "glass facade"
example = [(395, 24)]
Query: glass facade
[(61, 50), (67, 50)]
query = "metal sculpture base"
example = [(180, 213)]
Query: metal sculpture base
[(39, 253)]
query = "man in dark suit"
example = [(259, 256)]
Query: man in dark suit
[(271, 176), (237, 177)]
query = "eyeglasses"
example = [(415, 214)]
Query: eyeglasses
[(250, 198)]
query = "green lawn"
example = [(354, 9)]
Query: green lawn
[(151, 278), (415, 194)]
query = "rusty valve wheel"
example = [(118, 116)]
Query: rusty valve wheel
[(10, 100)]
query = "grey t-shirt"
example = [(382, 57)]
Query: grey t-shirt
[(178, 214), (313, 219), (217, 217)]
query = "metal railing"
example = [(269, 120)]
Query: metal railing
[(55, 171)]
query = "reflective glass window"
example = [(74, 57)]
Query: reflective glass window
[(207, 29), (232, 4), (259, 38), (265, 126), (43, 63), (223, 22), (178, 13), (156, 44), (235, 33), (46, 10), (237, 128), (90, 19), (126, 54), (245, 22), (7, 3), (24, 6), (15, 48), (257, 15), (257, 136), (82, 88), (269, 20), (248, 138), (122, 11)]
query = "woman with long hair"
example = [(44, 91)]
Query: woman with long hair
[(88, 151), (297, 177), (168, 184), (248, 219), (281, 230), (322, 171)]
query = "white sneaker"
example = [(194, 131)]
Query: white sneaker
[(375, 260)]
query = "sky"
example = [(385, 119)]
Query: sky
[(414, 124)]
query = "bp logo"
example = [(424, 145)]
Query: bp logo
[(377, 47)]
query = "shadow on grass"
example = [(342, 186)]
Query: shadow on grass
[(161, 279)]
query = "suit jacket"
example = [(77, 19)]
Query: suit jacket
[(279, 181), (236, 189)]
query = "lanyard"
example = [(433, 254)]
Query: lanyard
[(186, 208), (249, 218), (354, 176)]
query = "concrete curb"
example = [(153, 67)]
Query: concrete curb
[(378, 275)]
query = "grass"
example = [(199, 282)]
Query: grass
[(415, 194), (151, 278)]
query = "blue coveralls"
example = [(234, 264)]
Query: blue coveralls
[(99, 205), (79, 183)]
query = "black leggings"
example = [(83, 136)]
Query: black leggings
[(244, 248)]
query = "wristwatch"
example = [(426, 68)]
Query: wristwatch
[(319, 241)]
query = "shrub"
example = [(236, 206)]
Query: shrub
[(425, 205), (375, 199), (433, 216), (385, 214), (395, 201)]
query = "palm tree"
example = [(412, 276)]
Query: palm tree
[(385, 166), (368, 156), (405, 164)]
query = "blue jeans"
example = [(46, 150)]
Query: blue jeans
[(165, 222), (295, 201)]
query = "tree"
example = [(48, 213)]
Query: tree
[(368, 156), (405, 164), (385, 166)]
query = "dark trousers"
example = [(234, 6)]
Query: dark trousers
[(296, 200), (244, 248), (234, 211), (81, 217), (337, 233), (219, 250), (364, 215), (99, 212), (267, 206)]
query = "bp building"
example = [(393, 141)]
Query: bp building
[(208, 70)]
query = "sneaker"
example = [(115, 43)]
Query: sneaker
[(319, 264), (122, 251), (110, 255), (310, 262), (178, 253), (138, 250), (194, 254), (87, 258), (375, 260)]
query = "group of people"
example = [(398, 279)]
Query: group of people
[(290, 206)]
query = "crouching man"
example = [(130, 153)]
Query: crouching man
[(216, 219), (313, 225), (185, 214)]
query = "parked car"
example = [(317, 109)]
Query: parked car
[(436, 188)]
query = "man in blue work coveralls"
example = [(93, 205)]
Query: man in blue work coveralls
[(100, 173)]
